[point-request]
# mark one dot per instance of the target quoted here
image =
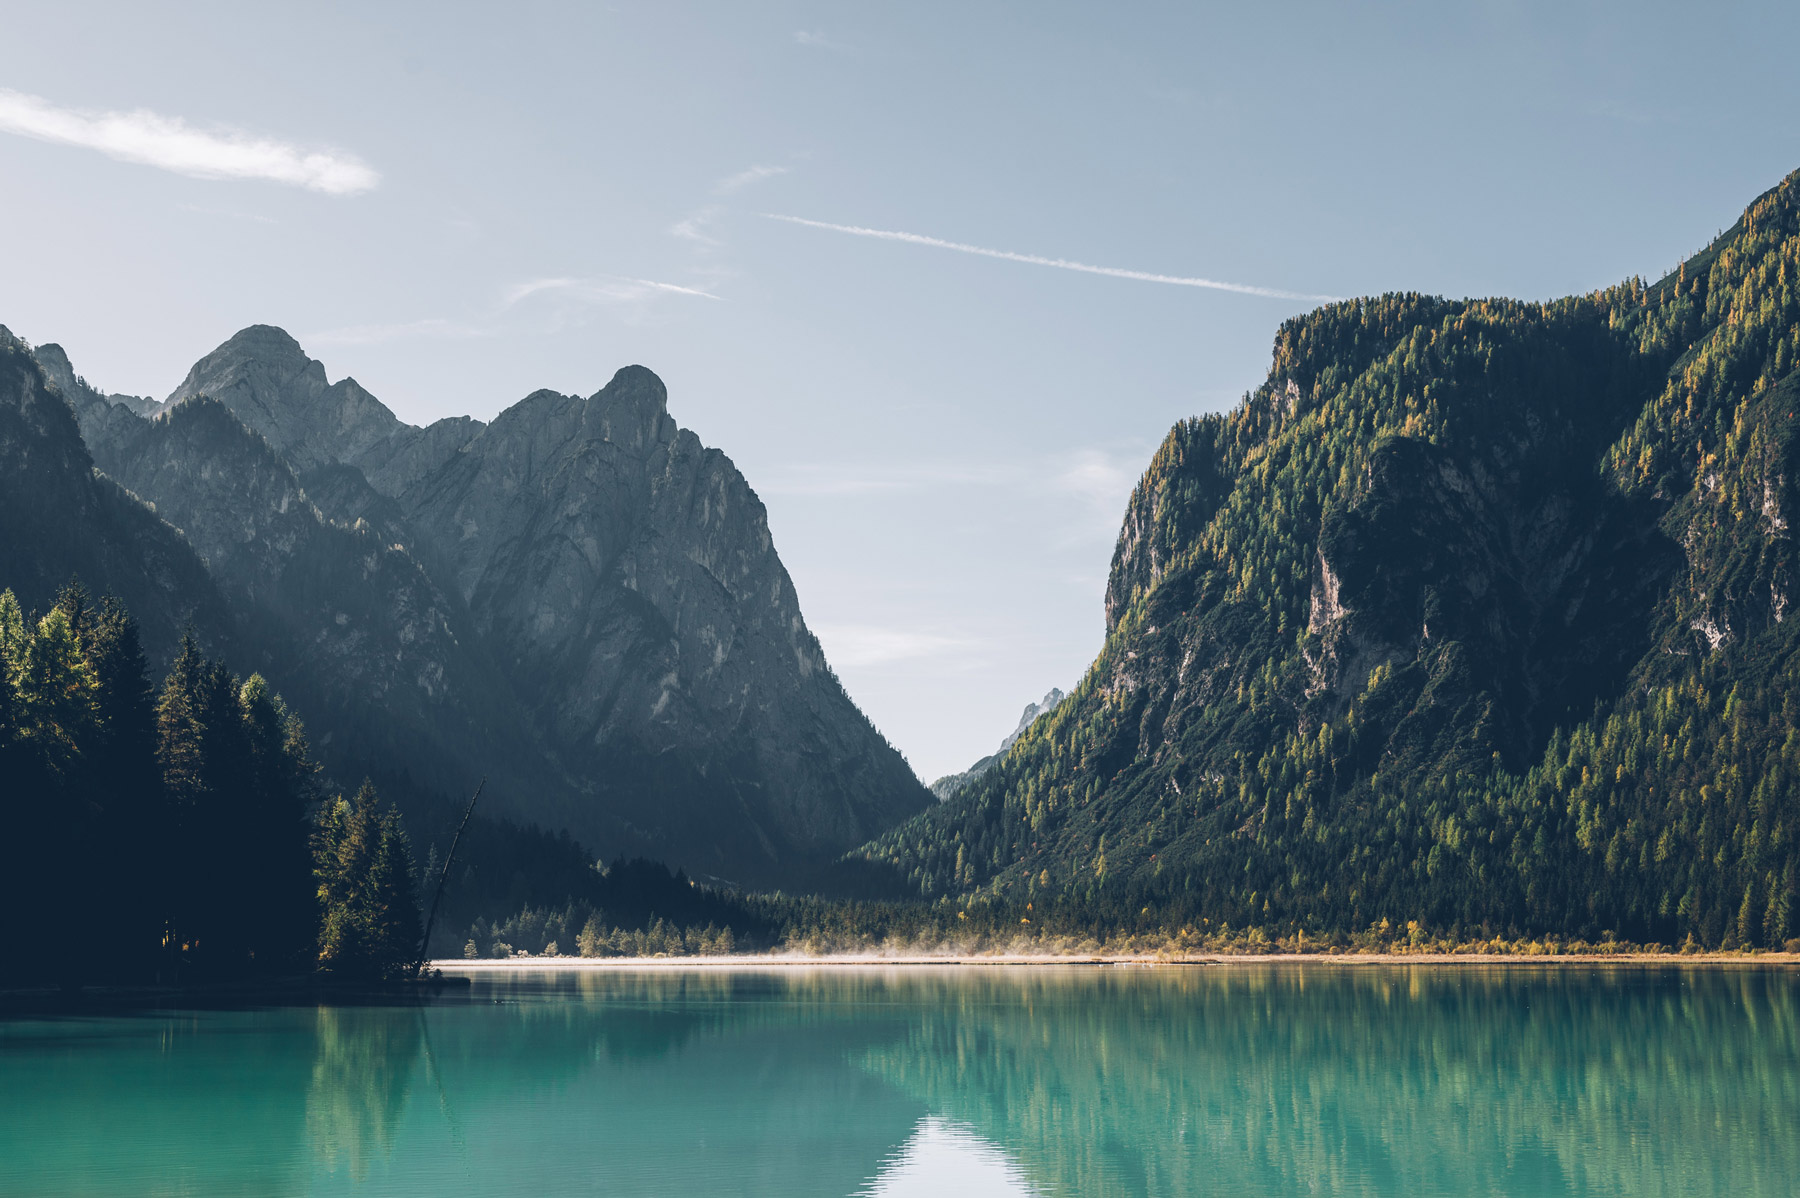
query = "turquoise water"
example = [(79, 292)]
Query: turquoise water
[(1242, 1080)]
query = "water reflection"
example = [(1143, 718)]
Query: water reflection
[(946, 1158), (1371, 1081), (362, 1072), (834, 1082)]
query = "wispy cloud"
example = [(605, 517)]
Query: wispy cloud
[(1060, 263), (172, 144), (603, 289), (869, 645), (1098, 476), (697, 228), (744, 178), (817, 40)]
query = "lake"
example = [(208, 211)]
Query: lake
[(1061, 1080)]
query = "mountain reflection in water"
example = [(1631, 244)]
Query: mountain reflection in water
[(890, 1082)]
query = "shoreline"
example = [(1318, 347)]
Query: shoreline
[(476, 965)]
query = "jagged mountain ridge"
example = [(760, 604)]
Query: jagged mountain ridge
[(951, 784), (1473, 614), (579, 592), (59, 517)]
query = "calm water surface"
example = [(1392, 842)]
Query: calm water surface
[(1243, 1080)]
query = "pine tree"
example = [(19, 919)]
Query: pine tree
[(591, 941), (394, 894), (21, 798), (203, 748), (58, 699), (366, 889), (57, 722), (129, 892), (277, 824), (12, 633)]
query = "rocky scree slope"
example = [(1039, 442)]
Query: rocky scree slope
[(579, 592), (1476, 614)]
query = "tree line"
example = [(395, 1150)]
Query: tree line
[(177, 834)]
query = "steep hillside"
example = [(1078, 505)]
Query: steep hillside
[(1473, 614), (59, 518), (348, 624), (629, 574)]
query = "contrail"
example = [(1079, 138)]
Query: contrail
[(1060, 263)]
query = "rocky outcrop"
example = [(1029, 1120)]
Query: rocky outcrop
[(266, 380), (107, 421), (952, 784)]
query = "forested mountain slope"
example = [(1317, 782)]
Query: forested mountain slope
[(1475, 613)]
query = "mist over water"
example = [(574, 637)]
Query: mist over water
[(924, 1080)]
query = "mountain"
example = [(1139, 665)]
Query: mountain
[(1475, 614), (951, 784), (58, 518), (578, 600)]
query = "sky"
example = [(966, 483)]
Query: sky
[(937, 277)]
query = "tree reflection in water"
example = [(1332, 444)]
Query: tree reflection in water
[(363, 1070), (1239, 1079), (1377, 1080)]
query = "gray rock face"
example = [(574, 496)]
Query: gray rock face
[(950, 785), (580, 591), (269, 383), (59, 519), (107, 421), (630, 574)]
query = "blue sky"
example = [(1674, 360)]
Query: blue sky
[(459, 204)]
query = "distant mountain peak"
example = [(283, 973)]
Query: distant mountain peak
[(263, 375), (951, 784), (637, 383), (267, 341)]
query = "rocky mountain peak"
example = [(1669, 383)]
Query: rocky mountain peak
[(638, 385), (57, 369), (634, 408), (53, 360), (269, 383), (950, 785)]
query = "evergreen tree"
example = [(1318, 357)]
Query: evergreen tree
[(21, 800), (57, 731), (58, 702), (131, 892), (203, 747), (370, 915), (181, 758), (394, 898), (278, 825)]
